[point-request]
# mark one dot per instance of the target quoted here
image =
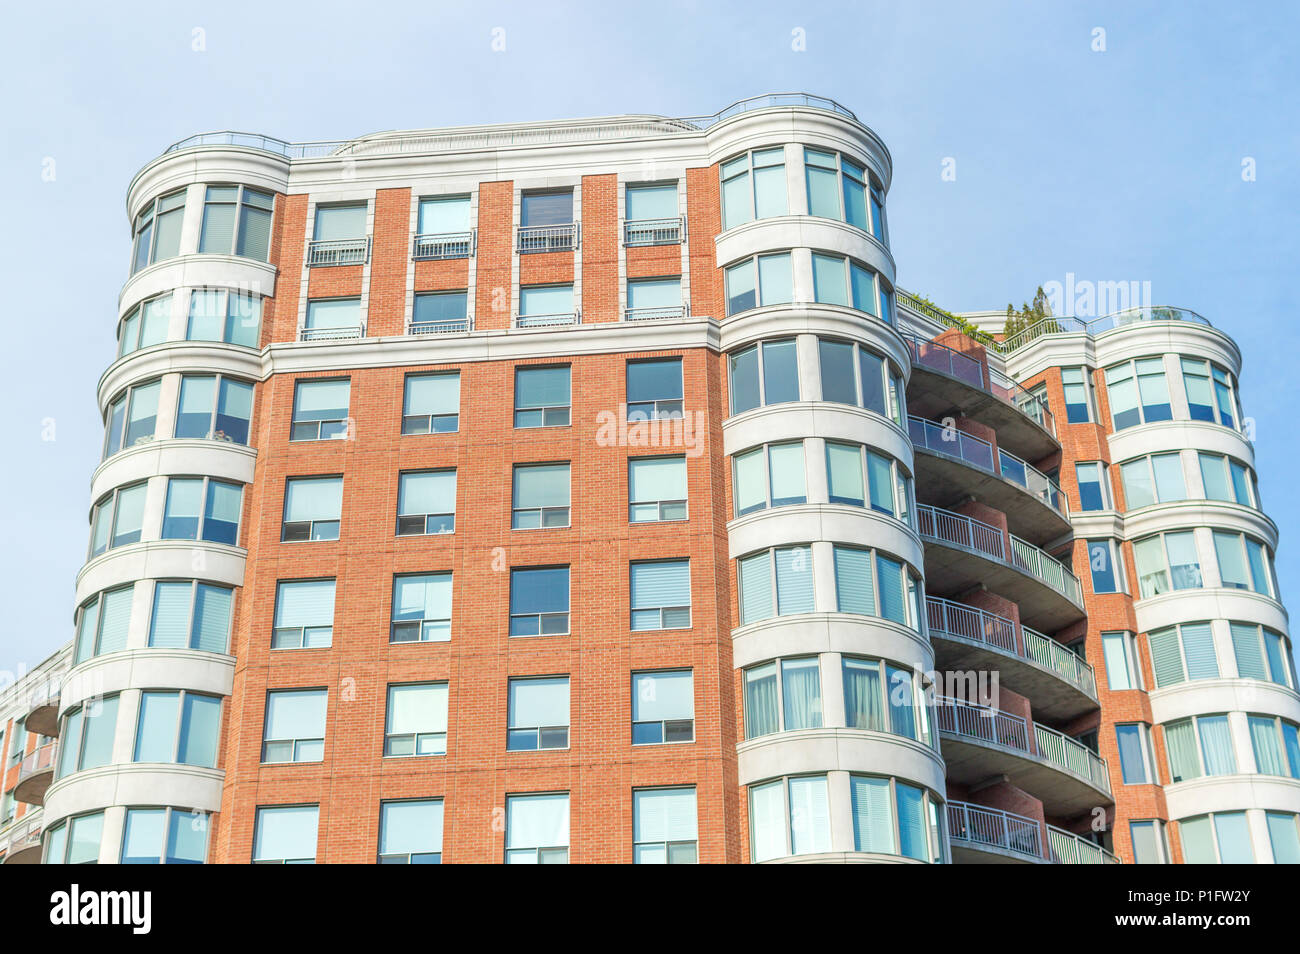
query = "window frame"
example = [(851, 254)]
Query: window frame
[(178, 735), (241, 205), (567, 613), (110, 504), (302, 630), (546, 410), (518, 514), (230, 320), (407, 417), (206, 498), (318, 433), (539, 732), (660, 505), (442, 523), (422, 624), (663, 626), (416, 738), (664, 724), (294, 742), (171, 816), (311, 524), (194, 633)]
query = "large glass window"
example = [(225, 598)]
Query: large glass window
[(286, 835), (75, 841), (86, 740), (546, 304), (654, 297), (416, 720), (1244, 564), (656, 489), (191, 615), (1138, 392), (1103, 562), (304, 614), (1136, 765), (537, 829), (182, 727), (102, 625), (789, 817), (1154, 479), (1183, 652), (170, 836), (237, 220), (444, 215), (768, 476), (1091, 477), (542, 396), (1077, 384), (426, 502), (132, 418), (421, 608), (320, 409), (158, 230), (854, 375), (861, 477), (880, 697), (294, 729), (333, 318), (145, 325), (1149, 845), (202, 509), (1122, 670), (753, 186), (546, 208), (214, 408), (1167, 561), (664, 826), (538, 714), (650, 201), (763, 374), (775, 583), (654, 389), (540, 496), (431, 403), (758, 281), (663, 707), (539, 601), (312, 507), (1262, 654), (117, 519), (1199, 746), (661, 595), (1284, 837), (1276, 745), (1221, 838), (227, 316), (1228, 480), (1210, 394), (842, 281), (783, 696), (440, 312), (410, 832)]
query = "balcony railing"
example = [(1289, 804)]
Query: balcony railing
[(547, 238), (1048, 569), (1091, 327), (39, 761), (440, 245), (1071, 755), (21, 838), (333, 334), (450, 326), (977, 625), (1033, 480), (1070, 849), (654, 231), (546, 321), (339, 252), (655, 314), (990, 826), (945, 360)]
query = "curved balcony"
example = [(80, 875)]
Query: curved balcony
[(43, 707), (1060, 685), (982, 836), (951, 382), (952, 466), (1129, 316), (35, 774), (962, 553), (980, 742), (1070, 849), (23, 845)]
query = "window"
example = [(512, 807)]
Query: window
[(541, 496), (431, 403), (837, 189), (538, 715), (1104, 565), (1138, 392), (181, 727), (312, 506), (86, 740), (158, 230), (1276, 746), (537, 829), (226, 316), (171, 836), (775, 583), (1154, 479), (117, 519), (1136, 765), (295, 726), (286, 835), (654, 298), (542, 396), (145, 325), (1221, 838), (1092, 486), (1210, 395), (333, 318), (842, 281), (304, 614), (764, 374), (661, 595), (652, 215), (545, 208), (1165, 561), (440, 312), (539, 601), (853, 375), (320, 409), (884, 698), (339, 235), (1122, 670), (1225, 479), (664, 826), (202, 509), (656, 489), (444, 229), (1243, 563), (654, 390), (1149, 846), (410, 832), (860, 477), (1190, 758), (214, 408), (663, 707), (893, 818), (190, 615), (18, 741), (758, 281), (132, 418), (1283, 837), (1269, 658), (546, 305), (789, 817), (861, 581), (1077, 384), (75, 841), (421, 608), (416, 720), (103, 623), (1179, 653), (769, 476), (788, 703), (426, 502), (237, 219), (753, 187)]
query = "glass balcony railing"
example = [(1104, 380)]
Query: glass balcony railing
[(1095, 326)]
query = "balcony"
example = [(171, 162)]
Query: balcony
[(982, 835), (43, 715), (1129, 316), (355, 251), (962, 552), (530, 239), (1070, 849), (35, 774), (23, 844), (1002, 483), (435, 246), (548, 321), (980, 743), (957, 383), (337, 333), (451, 326), (656, 314), (642, 232), (1059, 684)]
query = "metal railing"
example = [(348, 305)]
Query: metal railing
[(333, 334), (546, 321), (24, 836), (449, 326), (1069, 849), (1092, 327), (637, 232), (984, 723), (991, 826), (1033, 480), (547, 238), (941, 317), (339, 252), (1071, 755), (653, 314), (961, 530), (1029, 559), (950, 442), (439, 245), (1048, 652)]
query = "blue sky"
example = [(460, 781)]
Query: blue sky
[(1115, 165)]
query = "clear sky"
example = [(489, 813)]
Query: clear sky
[(1122, 164)]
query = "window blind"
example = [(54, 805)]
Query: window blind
[(432, 394), (417, 708), (794, 580), (286, 832), (666, 814), (663, 696), (295, 714), (873, 821)]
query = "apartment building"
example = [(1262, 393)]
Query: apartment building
[(588, 491)]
